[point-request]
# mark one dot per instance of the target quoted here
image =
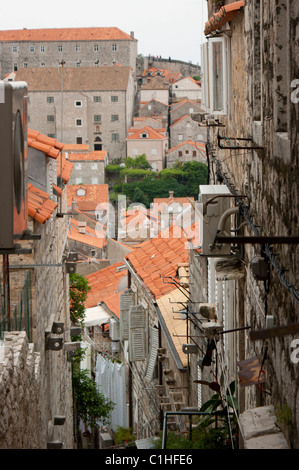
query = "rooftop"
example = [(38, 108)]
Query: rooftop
[(65, 34), (95, 156), (104, 287), (95, 193), (152, 134), (40, 206), (158, 258), (90, 237), (107, 78), (51, 147)]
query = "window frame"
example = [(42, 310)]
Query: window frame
[(208, 68), (81, 122)]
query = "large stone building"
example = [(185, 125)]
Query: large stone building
[(248, 285), (77, 47), (82, 105)]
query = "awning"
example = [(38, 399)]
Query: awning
[(96, 316), (225, 14)]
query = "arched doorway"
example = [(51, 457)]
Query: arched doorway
[(97, 143)]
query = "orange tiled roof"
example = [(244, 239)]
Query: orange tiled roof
[(225, 14), (51, 147), (95, 155), (66, 168), (89, 238), (171, 200), (159, 257), (77, 147), (95, 194), (40, 206), (154, 71), (181, 103), (191, 79), (104, 287), (65, 34), (152, 134), (197, 145)]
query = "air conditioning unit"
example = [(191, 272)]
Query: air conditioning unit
[(13, 163), (114, 329), (213, 202)]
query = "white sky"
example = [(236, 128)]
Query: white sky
[(170, 28)]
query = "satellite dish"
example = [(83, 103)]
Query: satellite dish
[(123, 284)]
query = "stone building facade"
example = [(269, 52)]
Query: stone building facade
[(253, 100), (77, 47), (38, 361), (96, 108), (185, 128), (89, 167), (187, 151)]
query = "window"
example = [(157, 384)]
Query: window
[(135, 152), (52, 136), (154, 151), (14, 48), (216, 74), (186, 152), (50, 118), (96, 48), (180, 136), (114, 99), (15, 66), (79, 140), (114, 47), (43, 64), (94, 166), (50, 99), (194, 153), (95, 180), (97, 118), (78, 64), (31, 49), (78, 166), (114, 117), (180, 153), (78, 122), (77, 48), (97, 99), (25, 65), (42, 48), (78, 104), (144, 135), (79, 181), (115, 137), (60, 48)]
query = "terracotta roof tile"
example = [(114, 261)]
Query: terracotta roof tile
[(104, 287), (95, 155), (160, 255), (51, 147), (65, 34), (225, 14), (66, 168), (90, 237), (94, 194), (153, 134), (40, 206), (75, 147), (196, 145)]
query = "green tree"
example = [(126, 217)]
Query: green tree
[(79, 288), (138, 162), (91, 404)]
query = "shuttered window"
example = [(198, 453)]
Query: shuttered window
[(137, 347), (153, 353), (126, 300)]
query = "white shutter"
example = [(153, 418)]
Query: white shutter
[(126, 300), (137, 333), (153, 353)]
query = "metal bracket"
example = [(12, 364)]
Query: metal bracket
[(54, 344)]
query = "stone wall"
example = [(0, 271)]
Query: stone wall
[(263, 48), (185, 68), (20, 393), (125, 54)]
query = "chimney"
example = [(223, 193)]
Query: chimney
[(82, 227), (132, 34), (170, 193)]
